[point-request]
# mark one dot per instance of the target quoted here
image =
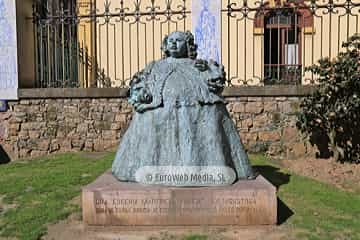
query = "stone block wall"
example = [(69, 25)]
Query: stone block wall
[(268, 124), (39, 126), (35, 127)]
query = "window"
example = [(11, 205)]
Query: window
[(282, 48)]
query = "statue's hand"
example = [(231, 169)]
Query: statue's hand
[(201, 65), (140, 107)]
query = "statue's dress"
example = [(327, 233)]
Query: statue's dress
[(190, 127)]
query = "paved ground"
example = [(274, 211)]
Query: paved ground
[(73, 228)]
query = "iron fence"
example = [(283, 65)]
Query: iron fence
[(103, 43)]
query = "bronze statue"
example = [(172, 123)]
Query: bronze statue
[(181, 118)]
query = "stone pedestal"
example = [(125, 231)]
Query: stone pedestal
[(110, 202)]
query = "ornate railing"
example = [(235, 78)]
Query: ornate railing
[(263, 42)]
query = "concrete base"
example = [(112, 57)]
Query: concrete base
[(110, 202)]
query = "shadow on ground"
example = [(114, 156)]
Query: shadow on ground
[(4, 157), (277, 178)]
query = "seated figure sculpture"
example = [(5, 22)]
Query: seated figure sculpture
[(180, 117)]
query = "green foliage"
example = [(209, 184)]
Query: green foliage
[(334, 109), (40, 190)]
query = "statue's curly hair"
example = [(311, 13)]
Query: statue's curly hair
[(191, 46)]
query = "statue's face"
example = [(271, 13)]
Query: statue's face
[(176, 45)]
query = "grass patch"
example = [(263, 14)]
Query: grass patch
[(42, 189), (318, 210), (39, 192), (195, 237), (167, 236)]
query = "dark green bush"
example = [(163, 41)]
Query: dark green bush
[(333, 110)]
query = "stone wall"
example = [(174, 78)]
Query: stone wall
[(35, 127), (268, 124), (38, 126)]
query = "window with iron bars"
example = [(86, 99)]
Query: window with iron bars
[(282, 62)]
